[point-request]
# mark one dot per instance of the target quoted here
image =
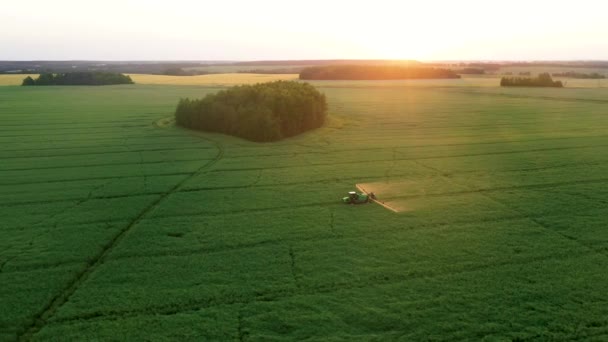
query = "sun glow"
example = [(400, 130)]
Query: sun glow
[(273, 29), (470, 29)]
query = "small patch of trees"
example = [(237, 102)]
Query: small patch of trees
[(176, 71), (470, 71), (262, 112), (374, 72), (78, 78), (572, 74), (271, 71), (543, 80), (28, 81)]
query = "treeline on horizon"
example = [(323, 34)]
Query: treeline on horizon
[(78, 78), (572, 74), (271, 71), (159, 67), (470, 71), (176, 71), (262, 112), (374, 72), (543, 80)]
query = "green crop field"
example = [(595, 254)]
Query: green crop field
[(117, 225)]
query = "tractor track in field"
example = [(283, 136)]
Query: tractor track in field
[(546, 227), (255, 183), (76, 199), (55, 141), (332, 235), (519, 96), (82, 223), (35, 267), (373, 280), (135, 162), (333, 180), (54, 133), (98, 135), (42, 318), (188, 147), (70, 128), (100, 146), (501, 142), (532, 219), (47, 156), (71, 180), (68, 124), (74, 205), (419, 136), (464, 155), (242, 333)]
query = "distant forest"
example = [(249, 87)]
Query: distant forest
[(176, 71), (271, 71), (543, 80), (262, 112), (470, 71), (374, 72), (572, 74), (78, 78), (171, 67)]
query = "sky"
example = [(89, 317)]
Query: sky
[(311, 29)]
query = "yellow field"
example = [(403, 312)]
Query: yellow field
[(238, 78), (213, 79), (14, 79)]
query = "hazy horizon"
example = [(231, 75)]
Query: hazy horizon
[(227, 61), (469, 30)]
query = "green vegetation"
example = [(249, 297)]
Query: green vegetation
[(374, 72), (271, 71), (543, 80), (261, 112), (581, 75), (174, 71), (470, 71), (113, 227), (78, 78)]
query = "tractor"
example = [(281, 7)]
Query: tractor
[(358, 198)]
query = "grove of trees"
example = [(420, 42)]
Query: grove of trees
[(176, 71), (262, 112), (470, 71), (78, 78), (374, 72), (543, 80)]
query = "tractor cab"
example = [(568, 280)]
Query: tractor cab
[(355, 198)]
